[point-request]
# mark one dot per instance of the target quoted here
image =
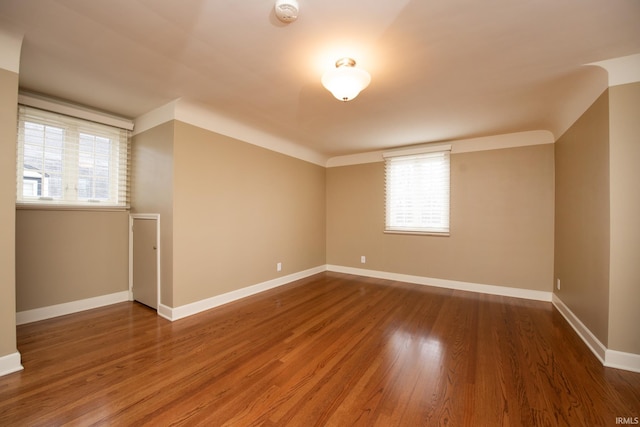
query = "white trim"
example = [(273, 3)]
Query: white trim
[(155, 117), (51, 311), (621, 70), (155, 217), (218, 300), (622, 360), (10, 363), (609, 358), (444, 283), (594, 344), (495, 142), (165, 311), (62, 107), (202, 117), (205, 118), (355, 159), (499, 142), (419, 149), (62, 207)]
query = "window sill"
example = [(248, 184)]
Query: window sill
[(62, 207), (419, 233)]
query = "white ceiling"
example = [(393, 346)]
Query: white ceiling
[(441, 69)]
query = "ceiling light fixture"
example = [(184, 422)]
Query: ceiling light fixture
[(346, 81)]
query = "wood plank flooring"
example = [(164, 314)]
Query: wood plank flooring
[(332, 349)]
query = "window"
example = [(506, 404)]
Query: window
[(64, 160), (417, 190)]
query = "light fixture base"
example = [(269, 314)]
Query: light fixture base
[(287, 10), (345, 62)]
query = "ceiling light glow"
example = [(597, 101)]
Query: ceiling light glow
[(346, 81)]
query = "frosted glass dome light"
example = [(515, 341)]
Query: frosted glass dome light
[(346, 81)]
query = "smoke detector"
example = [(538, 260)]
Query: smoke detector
[(287, 10)]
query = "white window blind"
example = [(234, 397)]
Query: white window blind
[(417, 190), (63, 160)]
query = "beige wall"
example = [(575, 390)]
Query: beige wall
[(624, 156), (501, 221), (238, 210), (582, 217), (229, 212), (64, 256), (8, 117), (152, 192)]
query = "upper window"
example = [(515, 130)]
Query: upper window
[(417, 190), (63, 160)]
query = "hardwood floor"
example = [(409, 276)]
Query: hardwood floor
[(331, 349)]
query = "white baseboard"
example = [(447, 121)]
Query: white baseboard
[(165, 311), (209, 303), (622, 360), (609, 358), (51, 311), (594, 344), (10, 363), (449, 284)]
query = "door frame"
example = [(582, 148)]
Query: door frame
[(152, 216)]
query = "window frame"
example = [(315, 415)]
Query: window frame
[(413, 155), (117, 159)]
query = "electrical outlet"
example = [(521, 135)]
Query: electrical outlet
[(279, 266), (558, 284), (363, 259)]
